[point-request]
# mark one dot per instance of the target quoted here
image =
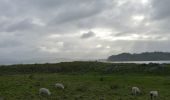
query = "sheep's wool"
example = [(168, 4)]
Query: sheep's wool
[(154, 93), (44, 91), (59, 85), (135, 90)]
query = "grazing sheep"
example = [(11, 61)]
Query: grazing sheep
[(44, 91), (59, 85), (135, 90), (153, 94)]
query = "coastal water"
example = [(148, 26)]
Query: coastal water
[(139, 62)]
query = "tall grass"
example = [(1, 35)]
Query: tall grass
[(79, 67)]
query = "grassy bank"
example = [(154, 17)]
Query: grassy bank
[(86, 67), (84, 81)]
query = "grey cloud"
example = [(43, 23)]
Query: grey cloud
[(9, 43), (140, 46), (21, 37), (88, 35), (7, 8), (79, 10), (22, 25), (160, 15), (161, 9)]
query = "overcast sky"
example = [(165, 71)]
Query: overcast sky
[(43, 30)]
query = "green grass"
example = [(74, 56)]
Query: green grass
[(79, 67), (83, 87)]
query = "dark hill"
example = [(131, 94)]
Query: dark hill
[(146, 56)]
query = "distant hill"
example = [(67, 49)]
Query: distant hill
[(146, 56)]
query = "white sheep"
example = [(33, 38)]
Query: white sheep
[(44, 91), (59, 85), (153, 94), (135, 90)]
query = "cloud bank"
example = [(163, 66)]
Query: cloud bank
[(43, 30)]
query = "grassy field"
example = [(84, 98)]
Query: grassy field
[(83, 87), (84, 81)]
